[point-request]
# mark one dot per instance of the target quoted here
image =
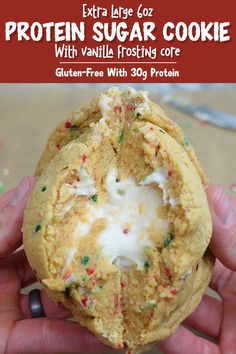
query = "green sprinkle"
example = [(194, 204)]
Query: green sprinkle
[(100, 286), (120, 192), (90, 308), (138, 115), (143, 179), (121, 137), (38, 228), (152, 303), (85, 260), (84, 277), (73, 128), (162, 131), (1, 187), (94, 198), (186, 142), (168, 239), (44, 189), (146, 264)]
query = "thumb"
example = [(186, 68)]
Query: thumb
[(223, 212)]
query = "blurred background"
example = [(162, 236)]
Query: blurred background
[(29, 113)]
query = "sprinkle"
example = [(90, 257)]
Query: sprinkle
[(129, 107), (162, 131), (173, 291), (121, 137), (58, 146), (138, 115), (168, 273), (168, 239), (68, 125), (85, 260), (120, 192), (186, 142), (1, 187), (84, 157), (117, 109), (233, 187), (5, 172), (146, 264), (120, 346), (43, 189), (84, 300), (197, 266), (152, 303), (90, 271), (151, 128), (66, 276), (126, 231), (73, 128), (170, 173), (164, 285), (94, 198), (116, 303), (38, 228), (122, 284), (83, 278)]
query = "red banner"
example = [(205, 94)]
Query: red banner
[(118, 41)]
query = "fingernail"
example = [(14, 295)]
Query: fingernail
[(223, 208), (20, 192)]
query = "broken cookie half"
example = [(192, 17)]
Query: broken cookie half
[(118, 224)]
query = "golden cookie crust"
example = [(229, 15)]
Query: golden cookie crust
[(130, 307)]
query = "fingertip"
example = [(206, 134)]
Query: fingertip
[(223, 212)]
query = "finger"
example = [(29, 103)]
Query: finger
[(183, 341), (207, 317), (51, 310), (223, 211), (6, 197), (52, 336), (11, 216), (228, 337), (22, 267)]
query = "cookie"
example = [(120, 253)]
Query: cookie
[(118, 224)]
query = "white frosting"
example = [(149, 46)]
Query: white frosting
[(85, 185), (129, 211), (129, 208), (103, 104), (160, 177)]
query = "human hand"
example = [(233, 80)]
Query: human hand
[(19, 332), (214, 318)]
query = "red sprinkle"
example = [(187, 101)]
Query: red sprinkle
[(117, 109), (170, 173), (168, 273), (66, 275), (197, 266), (126, 231), (84, 300), (90, 271), (122, 284), (84, 157), (116, 303), (129, 107), (94, 282), (68, 125), (120, 346), (173, 291), (58, 146), (164, 285), (151, 128)]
